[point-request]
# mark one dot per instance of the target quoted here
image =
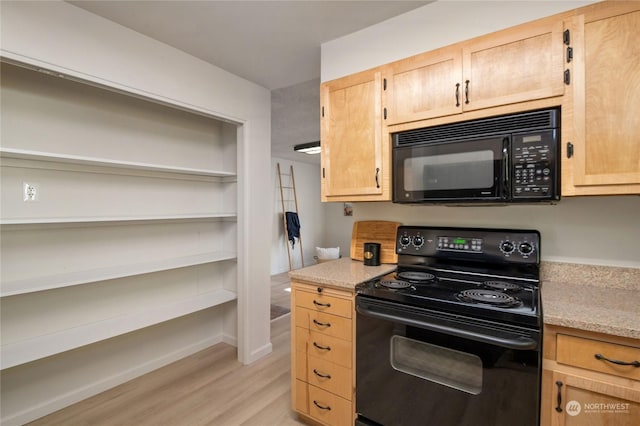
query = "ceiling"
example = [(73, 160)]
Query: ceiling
[(272, 43), (275, 44)]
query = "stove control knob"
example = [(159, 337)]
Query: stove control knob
[(405, 240), (418, 241), (507, 247), (525, 248)]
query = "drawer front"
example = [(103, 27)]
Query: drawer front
[(329, 409), (324, 347), (585, 353), (330, 377), (321, 302), (321, 322)]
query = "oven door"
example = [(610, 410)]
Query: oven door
[(418, 367), (470, 170)]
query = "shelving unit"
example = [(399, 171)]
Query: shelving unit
[(54, 343), (96, 220), (51, 282), (102, 162), (135, 222)]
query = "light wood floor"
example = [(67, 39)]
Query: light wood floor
[(208, 388), (279, 294)]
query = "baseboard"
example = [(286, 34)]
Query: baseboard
[(259, 353), (95, 388), (230, 340)]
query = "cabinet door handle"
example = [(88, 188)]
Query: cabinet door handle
[(324, 376), (615, 361), (377, 173), (559, 404), (466, 91), (320, 406), (569, 150), (322, 348), (457, 94), (321, 324), (322, 305)]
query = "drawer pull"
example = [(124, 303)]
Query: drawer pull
[(559, 405), (320, 406), (323, 305), (324, 376), (321, 324), (615, 361), (322, 348)]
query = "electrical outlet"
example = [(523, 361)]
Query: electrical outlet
[(30, 191)]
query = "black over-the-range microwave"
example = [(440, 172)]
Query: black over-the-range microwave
[(504, 159)]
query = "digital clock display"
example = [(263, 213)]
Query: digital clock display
[(470, 245)]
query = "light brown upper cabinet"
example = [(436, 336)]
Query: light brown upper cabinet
[(425, 86), (520, 64), (355, 164), (602, 155)]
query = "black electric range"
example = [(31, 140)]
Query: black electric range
[(453, 337)]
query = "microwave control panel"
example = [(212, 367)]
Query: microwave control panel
[(534, 171)]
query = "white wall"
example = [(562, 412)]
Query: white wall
[(597, 230), (310, 211), (591, 230), (61, 37)]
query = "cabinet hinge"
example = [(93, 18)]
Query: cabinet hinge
[(384, 84), (384, 113), (569, 150), (566, 37), (567, 77), (569, 54)]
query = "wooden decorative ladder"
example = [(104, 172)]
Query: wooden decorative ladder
[(292, 197)]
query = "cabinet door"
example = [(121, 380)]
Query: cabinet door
[(351, 133), (516, 65), (424, 86), (606, 139), (582, 401)]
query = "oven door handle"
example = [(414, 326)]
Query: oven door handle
[(515, 342)]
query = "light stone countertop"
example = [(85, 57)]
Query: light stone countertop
[(341, 273), (593, 298)]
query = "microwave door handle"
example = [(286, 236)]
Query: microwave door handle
[(506, 188)]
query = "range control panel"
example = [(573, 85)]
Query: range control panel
[(503, 245)]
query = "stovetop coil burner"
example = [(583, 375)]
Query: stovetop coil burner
[(502, 286), (489, 297), (416, 276), (394, 284)]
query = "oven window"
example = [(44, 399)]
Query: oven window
[(463, 170), (448, 367)]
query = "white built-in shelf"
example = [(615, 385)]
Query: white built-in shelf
[(32, 349), (51, 282), (89, 219), (24, 154)]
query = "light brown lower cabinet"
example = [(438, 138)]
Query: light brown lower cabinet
[(322, 354), (590, 379)]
